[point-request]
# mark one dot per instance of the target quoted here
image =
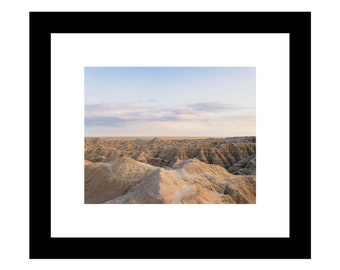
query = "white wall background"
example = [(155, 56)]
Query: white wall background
[(14, 132)]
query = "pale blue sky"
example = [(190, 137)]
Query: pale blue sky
[(170, 101)]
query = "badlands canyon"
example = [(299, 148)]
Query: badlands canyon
[(170, 170)]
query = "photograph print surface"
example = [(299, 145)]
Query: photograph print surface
[(170, 135)]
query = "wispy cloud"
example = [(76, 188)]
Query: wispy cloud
[(111, 114), (211, 107), (103, 121), (118, 114)]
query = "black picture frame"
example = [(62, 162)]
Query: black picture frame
[(297, 24)]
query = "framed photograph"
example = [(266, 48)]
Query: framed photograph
[(189, 137)]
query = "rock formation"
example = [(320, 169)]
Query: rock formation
[(125, 180), (236, 154)]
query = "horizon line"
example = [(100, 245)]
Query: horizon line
[(126, 136)]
